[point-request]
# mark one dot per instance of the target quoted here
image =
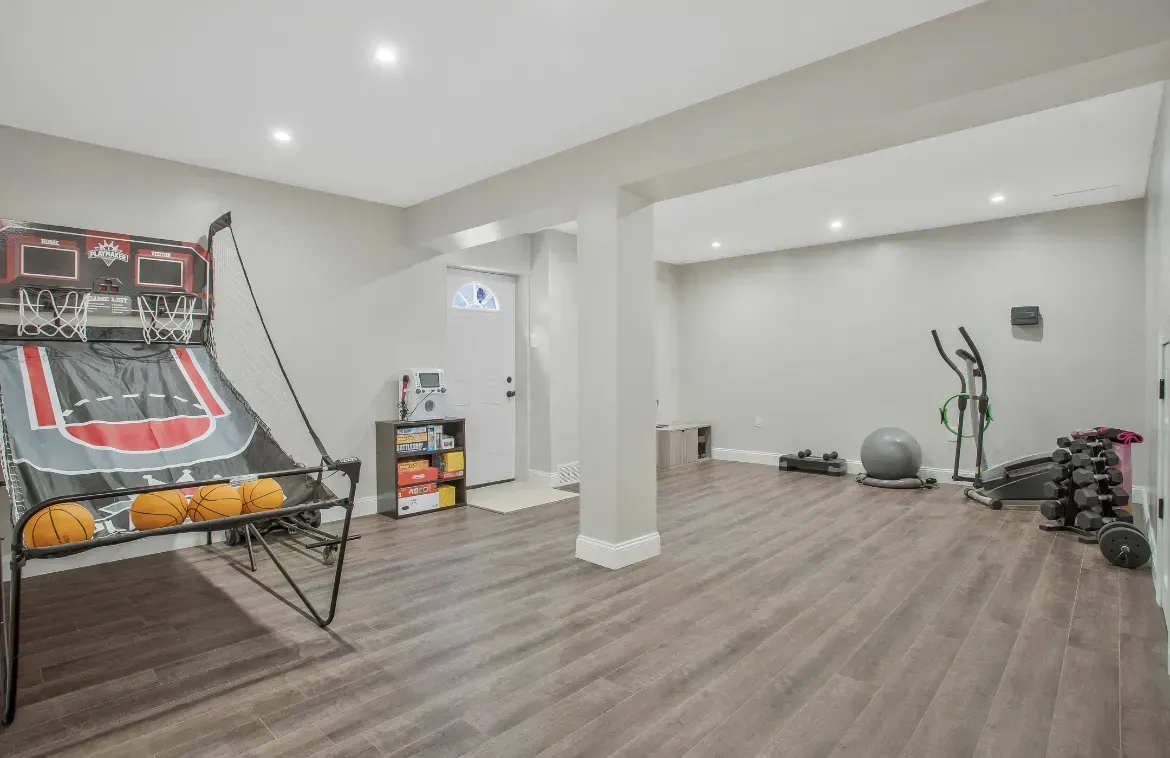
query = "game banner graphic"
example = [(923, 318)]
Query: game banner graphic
[(94, 417), (115, 268)]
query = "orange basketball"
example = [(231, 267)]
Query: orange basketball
[(214, 501), (154, 510), (59, 525), (261, 495)]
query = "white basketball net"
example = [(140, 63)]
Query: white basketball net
[(167, 318), (49, 313), (241, 348)]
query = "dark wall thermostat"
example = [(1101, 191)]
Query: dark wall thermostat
[(1025, 315)]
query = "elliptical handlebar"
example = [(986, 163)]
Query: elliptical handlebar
[(978, 360), (962, 396), (981, 404), (947, 358)]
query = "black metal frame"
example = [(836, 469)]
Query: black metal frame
[(10, 602), (349, 467), (981, 404)]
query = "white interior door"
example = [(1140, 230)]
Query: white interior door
[(481, 370)]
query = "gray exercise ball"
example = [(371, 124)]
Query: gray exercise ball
[(891, 453)]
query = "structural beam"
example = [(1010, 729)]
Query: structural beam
[(996, 60)]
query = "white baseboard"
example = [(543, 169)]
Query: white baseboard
[(621, 554), (943, 475), (544, 477), (746, 456), (136, 549), (363, 506)]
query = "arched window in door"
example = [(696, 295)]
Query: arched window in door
[(474, 296)]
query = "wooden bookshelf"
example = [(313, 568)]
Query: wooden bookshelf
[(388, 456)]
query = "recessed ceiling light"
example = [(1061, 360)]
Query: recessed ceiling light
[(280, 135), (998, 199), (386, 55), (716, 244), (836, 224)]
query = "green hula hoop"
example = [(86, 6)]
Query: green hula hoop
[(942, 412)]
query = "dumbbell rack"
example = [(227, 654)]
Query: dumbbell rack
[(1086, 491)]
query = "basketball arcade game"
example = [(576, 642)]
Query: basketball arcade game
[(120, 362)]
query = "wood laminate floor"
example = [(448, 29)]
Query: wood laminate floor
[(789, 615)]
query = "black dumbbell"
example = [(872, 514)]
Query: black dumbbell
[(1090, 498), (1053, 510), (1060, 473), (803, 453), (1085, 460), (830, 456), (1064, 441), (1092, 445), (1090, 521), (1055, 490), (1060, 455), (1083, 477)]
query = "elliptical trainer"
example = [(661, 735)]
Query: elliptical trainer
[(1020, 479)]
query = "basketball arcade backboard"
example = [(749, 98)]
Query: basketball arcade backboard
[(115, 269)]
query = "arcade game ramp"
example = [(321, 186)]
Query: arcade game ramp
[(87, 417)]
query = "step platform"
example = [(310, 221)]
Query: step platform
[(814, 464)]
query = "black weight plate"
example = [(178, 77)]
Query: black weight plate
[(1104, 529), (1124, 545)]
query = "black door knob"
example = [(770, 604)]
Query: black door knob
[(511, 393)]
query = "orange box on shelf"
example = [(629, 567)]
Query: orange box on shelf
[(417, 476), (449, 475), (418, 489), (414, 465)]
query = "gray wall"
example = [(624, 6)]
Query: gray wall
[(829, 343), (554, 359), (347, 304), (540, 363), (566, 354), (666, 342)]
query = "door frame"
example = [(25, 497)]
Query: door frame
[(522, 346), (1157, 525)]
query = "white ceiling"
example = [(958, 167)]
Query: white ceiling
[(1040, 162), (482, 86)]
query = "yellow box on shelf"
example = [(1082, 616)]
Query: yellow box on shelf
[(451, 461), (446, 496)]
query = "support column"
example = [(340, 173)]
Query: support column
[(615, 276)]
